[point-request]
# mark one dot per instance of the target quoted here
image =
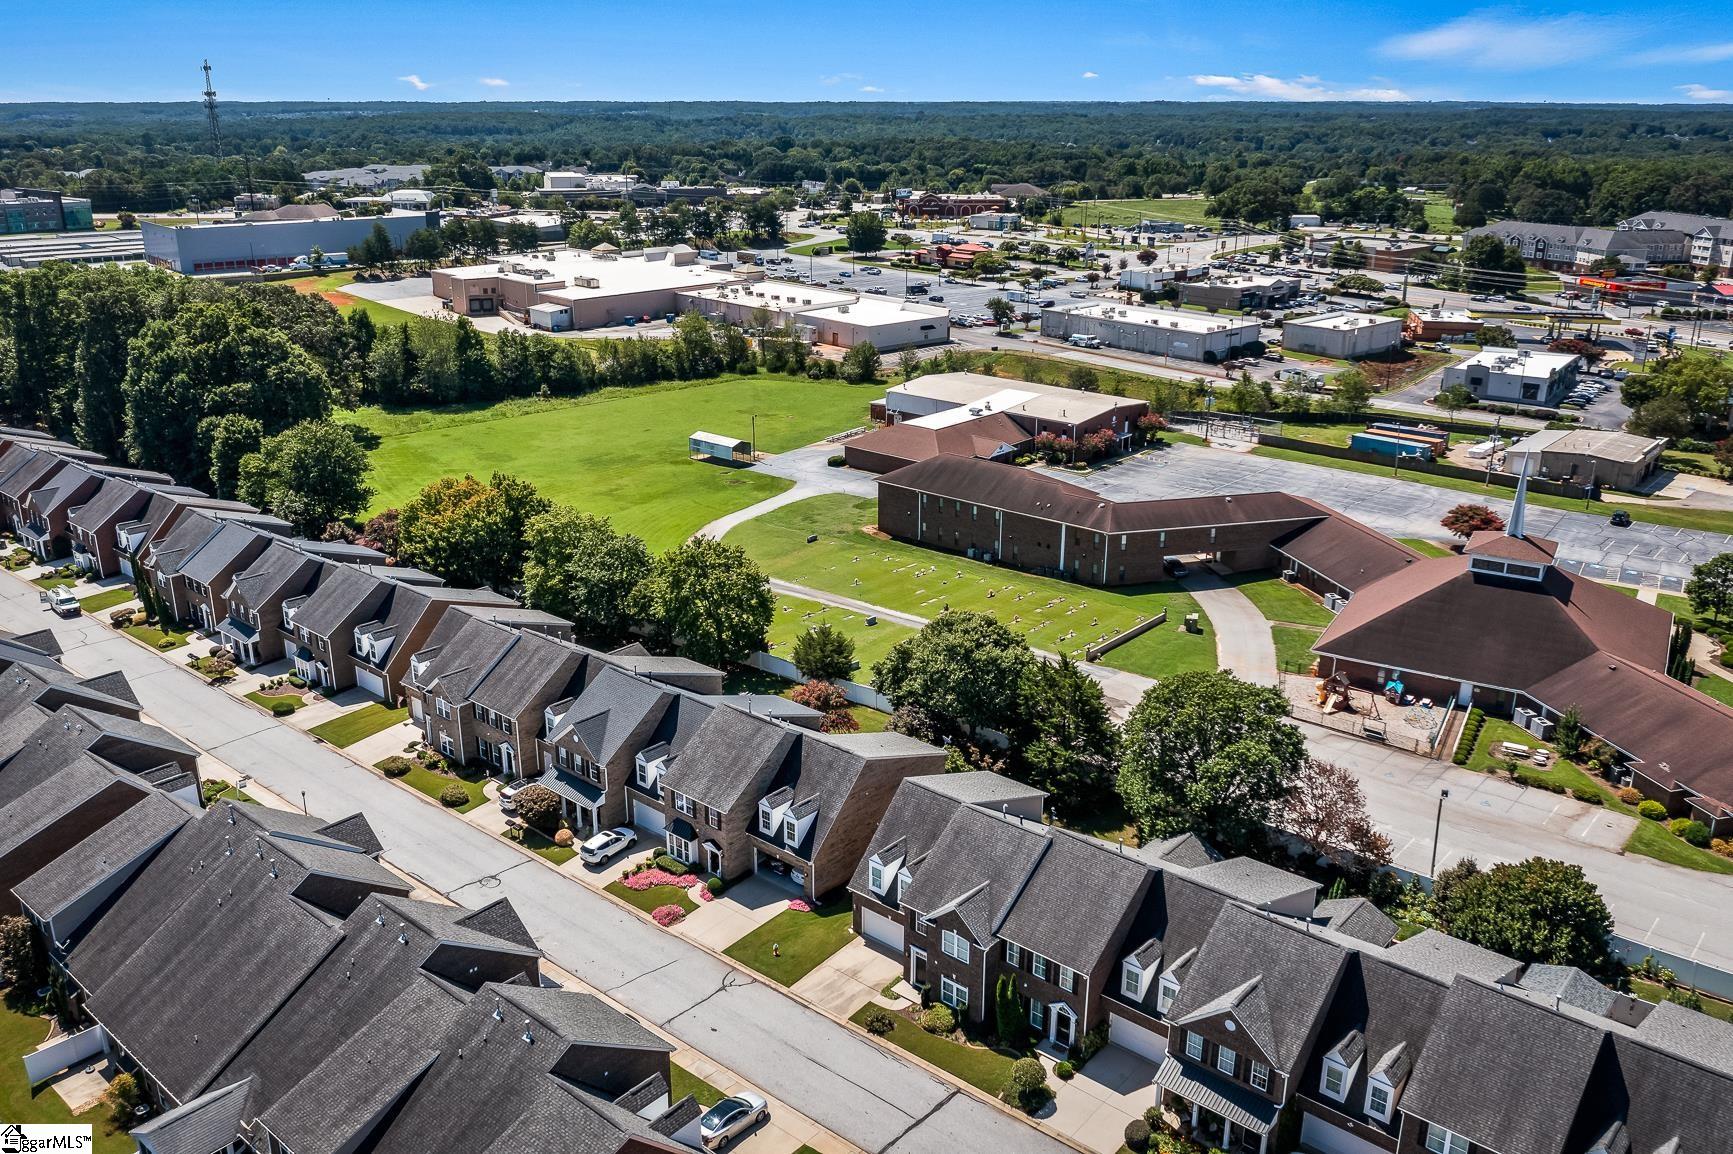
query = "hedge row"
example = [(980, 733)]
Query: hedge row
[(1470, 734)]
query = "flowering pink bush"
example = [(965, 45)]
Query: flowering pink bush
[(704, 895), (666, 915), (799, 907), (651, 878)]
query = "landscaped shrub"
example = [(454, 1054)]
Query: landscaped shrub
[(282, 708), (1630, 795), (1652, 809), (1471, 727), (563, 837), (879, 1022), (1694, 832), (396, 765), (210, 789), (1065, 1071), (123, 1097), (1090, 1044), (799, 906), (713, 885), (672, 864), (1152, 1118), (649, 879), (1591, 796), (453, 796), (938, 1020), (1137, 1135), (1721, 846), (539, 807), (166, 643), (297, 681), (665, 916), (1027, 1087), (836, 460)]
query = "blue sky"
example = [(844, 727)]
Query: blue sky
[(1665, 51)]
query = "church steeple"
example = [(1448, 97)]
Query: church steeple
[(1518, 509)]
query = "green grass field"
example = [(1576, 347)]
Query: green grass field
[(1056, 616), (986, 1070), (1423, 546), (1294, 646), (1279, 601), (1126, 213), (1440, 213), (795, 615), (618, 452), (805, 938), (154, 637), (351, 727), (1717, 687), (21, 1102), (433, 784)]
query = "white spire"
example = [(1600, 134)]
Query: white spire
[(1513, 527)]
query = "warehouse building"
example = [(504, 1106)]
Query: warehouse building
[(823, 315), (1343, 335), (1516, 375), (1241, 292), (1589, 456), (570, 288), (74, 247), (268, 238), (1164, 332)]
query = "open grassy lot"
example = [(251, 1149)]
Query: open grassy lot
[(1440, 213), (984, 1069), (1279, 601), (1055, 616), (346, 730), (806, 938), (1425, 547), (796, 615), (1126, 213), (23, 1103), (618, 452)]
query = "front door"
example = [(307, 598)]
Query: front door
[(917, 966), (713, 859), (507, 761), (1064, 1028)]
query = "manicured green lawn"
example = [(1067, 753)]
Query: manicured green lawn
[(1294, 647), (796, 615), (984, 1069), (433, 784), (1056, 616), (648, 900), (233, 794), (1127, 213), (618, 452), (682, 1082), (53, 582), (543, 847), (1655, 992), (1278, 600), (153, 636), (266, 700), (1425, 547), (20, 1102), (806, 939), (351, 727), (1440, 214), (1717, 687), (107, 599)]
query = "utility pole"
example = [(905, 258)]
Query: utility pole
[(1437, 827)]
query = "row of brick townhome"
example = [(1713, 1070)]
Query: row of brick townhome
[(1275, 1020)]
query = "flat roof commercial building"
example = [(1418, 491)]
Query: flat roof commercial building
[(825, 316), (585, 289), (42, 210), (374, 177), (1164, 332), (249, 244), (1438, 324), (1240, 292), (1591, 456), (1517, 376), (74, 247), (1343, 335)]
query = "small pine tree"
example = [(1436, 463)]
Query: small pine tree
[(1569, 734), (824, 653), (1010, 1019)]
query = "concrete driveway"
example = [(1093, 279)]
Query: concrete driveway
[(1244, 643), (1094, 1106), (740, 909), (849, 978)]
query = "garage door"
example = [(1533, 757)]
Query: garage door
[(370, 681), (884, 930), (649, 819), (1317, 1134), (1140, 1040)]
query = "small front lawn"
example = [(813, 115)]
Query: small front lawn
[(652, 898), (107, 599), (806, 940), (215, 791), (986, 1070), (154, 637), (543, 846), (267, 700), (433, 783), (53, 581), (357, 724), (214, 667), (1294, 647), (1279, 600), (682, 1082)]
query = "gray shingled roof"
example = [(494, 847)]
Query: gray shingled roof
[(979, 787), (613, 713), (1569, 986), (1252, 881), (976, 867), (1444, 957), (1689, 1034), (732, 755), (209, 1122), (74, 873), (533, 669), (1357, 918), (117, 499), (232, 542), (343, 592), (189, 534), (1048, 916), (280, 569)]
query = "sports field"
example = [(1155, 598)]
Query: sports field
[(1125, 213), (1056, 616), (618, 452)]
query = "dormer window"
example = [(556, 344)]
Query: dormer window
[(790, 831), (876, 876), (1336, 1080), (1379, 1100), (1165, 993), (766, 819), (1131, 980)]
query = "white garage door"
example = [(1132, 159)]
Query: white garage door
[(370, 681), (1140, 1040), (649, 819), (884, 930), (1317, 1134)]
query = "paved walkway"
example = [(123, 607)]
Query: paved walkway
[(719, 527), (1244, 643)]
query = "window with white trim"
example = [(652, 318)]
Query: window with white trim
[(1378, 1101), (1335, 1083), (876, 877), (442, 707), (1227, 1061), (684, 804), (1013, 954), (1165, 994), (1037, 1013), (1442, 1141), (445, 745), (922, 925), (953, 994), (1067, 979), (1194, 1047), (1131, 981), (766, 819), (1260, 1076), (1038, 966), (955, 945)]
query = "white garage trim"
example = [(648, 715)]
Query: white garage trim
[(370, 681), (649, 819), (1140, 1040), (1317, 1134), (886, 931)]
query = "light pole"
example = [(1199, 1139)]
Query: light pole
[(1437, 826), (303, 801)]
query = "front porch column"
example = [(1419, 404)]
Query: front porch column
[(1263, 1141), (1227, 1135), (1194, 1117)]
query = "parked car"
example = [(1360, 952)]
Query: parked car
[(871, 272), (63, 602), (1620, 519), (608, 843), (730, 1118), (1274, 356), (936, 299), (1175, 567), (877, 290), (508, 794)]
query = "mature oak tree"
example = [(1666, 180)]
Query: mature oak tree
[(708, 599), (577, 566), (470, 532)]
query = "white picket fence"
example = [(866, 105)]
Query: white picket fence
[(853, 690)]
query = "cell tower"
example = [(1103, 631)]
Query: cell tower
[(217, 129)]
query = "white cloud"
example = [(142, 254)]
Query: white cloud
[(415, 82), (839, 77), (1090, 76), (1693, 53), (495, 82), (1702, 92), (1258, 86), (870, 88), (1490, 41)]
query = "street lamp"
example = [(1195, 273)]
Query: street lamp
[(1437, 826)]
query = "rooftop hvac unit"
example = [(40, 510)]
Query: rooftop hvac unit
[(1541, 728), (842, 308), (1525, 718)]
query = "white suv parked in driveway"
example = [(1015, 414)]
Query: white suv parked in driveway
[(607, 844)]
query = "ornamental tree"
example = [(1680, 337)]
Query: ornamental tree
[(1467, 519), (823, 653), (578, 567), (1539, 910), (707, 598)]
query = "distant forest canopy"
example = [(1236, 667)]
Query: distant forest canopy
[(1559, 163)]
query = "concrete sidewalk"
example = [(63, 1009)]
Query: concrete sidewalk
[(1244, 643)]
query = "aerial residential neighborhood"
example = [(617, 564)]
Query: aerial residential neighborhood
[(1069, 582)]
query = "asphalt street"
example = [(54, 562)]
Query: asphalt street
[(832, 1074)]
